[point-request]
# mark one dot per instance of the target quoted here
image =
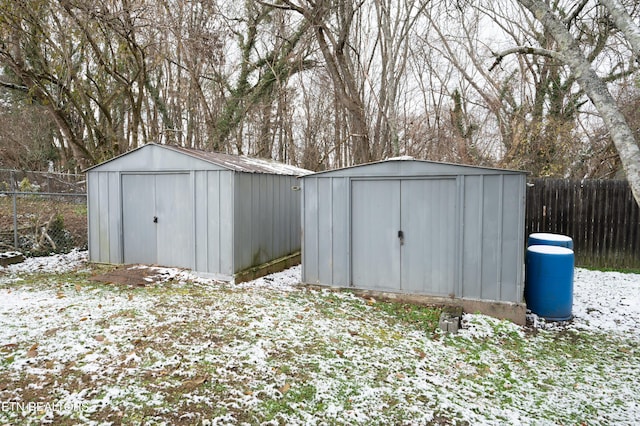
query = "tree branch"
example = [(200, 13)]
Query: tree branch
[(14, 86), (526, 50)]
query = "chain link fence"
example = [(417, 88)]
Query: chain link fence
[(42, 213)]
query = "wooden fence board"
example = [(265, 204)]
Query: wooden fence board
[(600, 215)]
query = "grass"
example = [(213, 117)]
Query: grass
[(609, 269), (178, 352)]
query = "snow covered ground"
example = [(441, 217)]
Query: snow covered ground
[(190, 350)]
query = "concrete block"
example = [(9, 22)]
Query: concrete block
[(449, 322)]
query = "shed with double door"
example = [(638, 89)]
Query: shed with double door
[(419, 227), (214, 213)]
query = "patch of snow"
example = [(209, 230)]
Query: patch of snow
[(54, 263), (362, 368), (550, 237), (401, 158), (549, 250)]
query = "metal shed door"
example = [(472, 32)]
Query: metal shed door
[(375, 221), (138, 205), (429, 225), (404, 235), (157, 215)]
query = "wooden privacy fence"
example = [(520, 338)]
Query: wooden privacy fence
[(600, 215)]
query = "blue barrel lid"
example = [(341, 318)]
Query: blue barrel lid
[(549, 249), (550, 237)]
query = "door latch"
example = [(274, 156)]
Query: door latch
[(401, 236), (155, 219)]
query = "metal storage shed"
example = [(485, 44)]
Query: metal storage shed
[(214, 213), (419, 227)]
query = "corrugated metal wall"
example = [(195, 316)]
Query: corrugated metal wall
[(105, 228), (214, 221), (462, 229), (267, 218)]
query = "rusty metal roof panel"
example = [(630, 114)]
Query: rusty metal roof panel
[(241, 163)]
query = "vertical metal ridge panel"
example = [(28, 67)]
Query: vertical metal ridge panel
[(500, 238), (325, 248), (490, 236), (243, 221), (340, 241), (104, 219), (459, 272), (93, 217), (301, 216), (512, 239), (226, 224), (278, 223), (114, 221), (201, 224), (472, 238), (310, 231)]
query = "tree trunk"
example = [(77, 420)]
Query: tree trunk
[(624, 22), (596, 90)]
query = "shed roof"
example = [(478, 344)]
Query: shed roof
[(238, 163), (412, 166)]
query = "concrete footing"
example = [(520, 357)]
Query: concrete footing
[(515, 312), (276, 265)]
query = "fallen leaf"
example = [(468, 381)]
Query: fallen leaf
[(195, 382), (34, 347), (59, 295), (83, 319), (52, 332), (421, 353), (9, 346), (339, 352), (32, 354), (334, 340), (284, 389), (130, 296), (100, 306), (248, 392), (400, 376), (78, 287), (199, 381), (99, 338), (299, 316), (48, 365)]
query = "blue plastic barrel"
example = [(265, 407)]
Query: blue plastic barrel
[(546, 239), (548, 288)]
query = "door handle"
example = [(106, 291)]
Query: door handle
[(401, 236), (155, 219)]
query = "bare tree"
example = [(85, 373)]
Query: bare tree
[(569, 51)]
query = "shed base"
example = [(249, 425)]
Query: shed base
[(270, 267), (514, 312)]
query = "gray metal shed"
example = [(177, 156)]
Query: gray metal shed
[(214, 213), (420, 227)]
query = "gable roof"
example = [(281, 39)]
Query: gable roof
[(237, 163), (408, 163)]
